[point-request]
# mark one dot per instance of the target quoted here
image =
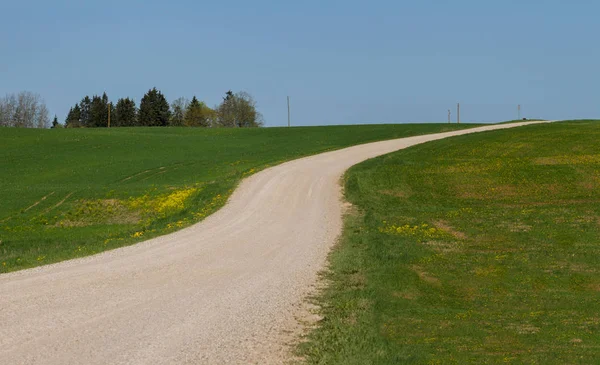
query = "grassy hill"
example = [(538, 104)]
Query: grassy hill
[(73, 192), (478, 249)]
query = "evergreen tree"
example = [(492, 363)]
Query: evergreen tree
[(98, 111), (74, 117), (125, 113), (154, 109), (85, 106), (197, 114), (55, 123), (69, 119)]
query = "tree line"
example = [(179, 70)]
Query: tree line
[(236, 110), (25, 109)]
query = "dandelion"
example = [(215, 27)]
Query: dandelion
[(174, 201), (249, 172), (137, 234)]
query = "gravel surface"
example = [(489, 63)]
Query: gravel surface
[(220, 292)]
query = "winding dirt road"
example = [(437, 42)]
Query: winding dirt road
[(219, 292)]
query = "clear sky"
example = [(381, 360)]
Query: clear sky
[(341, 62)]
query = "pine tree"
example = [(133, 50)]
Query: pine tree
[(55, 123), (69, 119), (197, 114), (85, 116), (125, 113), (74, 117), (154, 109), (98, 112)]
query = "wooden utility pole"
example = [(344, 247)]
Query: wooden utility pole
[(289, 122), (108, 115), (449, 116), (458, 113)]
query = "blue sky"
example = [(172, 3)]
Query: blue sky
[(341, 62)]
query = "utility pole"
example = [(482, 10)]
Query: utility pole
[(289, 122), (449, 121), (519, 111), (458, 113), (109, 115)]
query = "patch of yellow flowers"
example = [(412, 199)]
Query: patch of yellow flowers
[(459, 213), (164, 204), (174, 201), (249, 172), (421, 232)]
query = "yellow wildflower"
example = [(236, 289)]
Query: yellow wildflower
[(137, 234)]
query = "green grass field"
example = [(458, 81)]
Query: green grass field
[(477, 249), (73, 192)]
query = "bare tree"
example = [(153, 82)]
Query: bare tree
[(238, 110), (248, 116), (226, 111), (8, 106), (179, 106), (42, 117), (25, 109)]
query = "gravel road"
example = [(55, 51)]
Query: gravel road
[(223, 291)]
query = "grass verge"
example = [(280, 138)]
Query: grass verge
[(476, 249), (67, 193)]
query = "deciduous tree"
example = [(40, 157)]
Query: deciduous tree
[(197, 114), (24, 109), (179, 107), (42, 116), (238, 110)]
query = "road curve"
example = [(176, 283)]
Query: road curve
[(219, 292)]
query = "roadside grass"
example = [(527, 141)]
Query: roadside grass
[(477, 249), (69, 193), (521, 121)]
